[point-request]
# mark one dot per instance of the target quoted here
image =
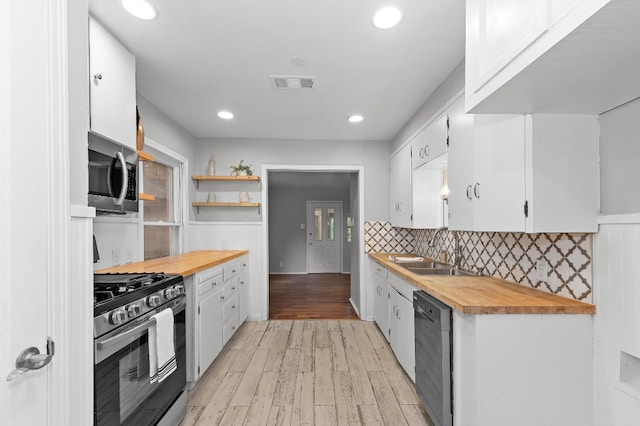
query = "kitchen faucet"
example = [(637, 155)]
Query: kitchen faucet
[(456, 249)]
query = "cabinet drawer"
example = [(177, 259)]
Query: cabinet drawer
[(229, 271), (380, 271), (229, 307), (231, 287), (229, 328), (209, 284)]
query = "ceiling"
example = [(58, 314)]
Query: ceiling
[(201, 56)]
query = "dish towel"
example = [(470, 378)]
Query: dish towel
[(162, 356)]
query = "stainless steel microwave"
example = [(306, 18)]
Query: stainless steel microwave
[(113, 176)]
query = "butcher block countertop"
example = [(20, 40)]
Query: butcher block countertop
[(486, 295), (183, 264)]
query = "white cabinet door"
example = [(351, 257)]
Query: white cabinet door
[(460, 168), (400, 188), (499, 170), (406, 336), (210, 330), (497, 31), (243, 297), (381, 299), (112, 78), (431, 142), (402, 330)]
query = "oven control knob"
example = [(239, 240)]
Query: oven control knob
[(153, 300), (134, 309), (170, 293), (179, 289), (117, 317)]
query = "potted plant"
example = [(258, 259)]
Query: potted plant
[(241, 169)]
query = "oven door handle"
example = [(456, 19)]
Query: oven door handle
[(103, 344)]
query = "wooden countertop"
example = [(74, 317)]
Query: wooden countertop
[(486, 295), (183, 264)]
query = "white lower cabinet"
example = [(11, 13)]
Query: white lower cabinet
[(393, 312), (219, 297), (381, 299), (522, 369), (210, 330), (402, 331)]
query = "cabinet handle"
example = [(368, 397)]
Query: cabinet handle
[(421, 152), (398, 313), (97, 76), (427, 151), (476, 190), (233, 288), (233, 327), (469, 192), (233, 307), (400, 206), (241, 282), (221, 297)]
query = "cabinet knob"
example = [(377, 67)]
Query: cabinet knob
[(97, 76)]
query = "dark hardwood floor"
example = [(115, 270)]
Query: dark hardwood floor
[(310, 296)]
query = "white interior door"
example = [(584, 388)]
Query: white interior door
[(27, 135), (324, 236)]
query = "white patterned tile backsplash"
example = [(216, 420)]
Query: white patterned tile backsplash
[(510, 256)]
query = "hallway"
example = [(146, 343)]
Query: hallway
[(310, 296)]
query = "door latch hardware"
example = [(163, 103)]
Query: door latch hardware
[(32, 359)]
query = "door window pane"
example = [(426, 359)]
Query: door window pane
[(158, 181), (331, 224), (317, 220)]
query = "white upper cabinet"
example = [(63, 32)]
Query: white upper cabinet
[(524, 173), (112, 80), (551, 56), (400, 188), (427, 204), (460, 167), (431, 142)]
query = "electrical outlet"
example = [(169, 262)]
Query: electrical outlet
[(115, 257), (541, 270), (302, 226)]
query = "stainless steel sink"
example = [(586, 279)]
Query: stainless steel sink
[(441, 271), (425, 264)]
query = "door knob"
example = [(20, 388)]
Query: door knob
[(31, 359)]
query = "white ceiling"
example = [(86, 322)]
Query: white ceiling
[(201, 56)]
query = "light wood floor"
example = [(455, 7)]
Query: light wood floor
[(310, 296), (311, 372)]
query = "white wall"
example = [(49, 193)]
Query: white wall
[(619, 159), (287, 242), (617, 319), (372, 155), (616, 268)]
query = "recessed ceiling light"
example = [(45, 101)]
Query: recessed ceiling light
[(140, 9), (355, 119), (226, 115), (387, 17)]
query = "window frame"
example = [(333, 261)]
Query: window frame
[(180, 165)]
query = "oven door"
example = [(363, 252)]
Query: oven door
[(123, 393)]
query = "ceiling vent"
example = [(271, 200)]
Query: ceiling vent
[(290, 82)]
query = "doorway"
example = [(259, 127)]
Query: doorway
[(324, 237), (333, 196)]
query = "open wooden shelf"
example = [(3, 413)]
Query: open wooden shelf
[(146, 197), (207, 204), (227, 178), (143, 156)]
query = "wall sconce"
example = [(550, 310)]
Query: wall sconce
[(444, 192)]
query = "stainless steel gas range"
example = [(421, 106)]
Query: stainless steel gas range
[(125, 309)]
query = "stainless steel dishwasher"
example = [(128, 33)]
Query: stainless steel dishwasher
[(433, 357)]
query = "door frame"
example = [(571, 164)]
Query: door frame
[(339, 226), (359, 170)]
